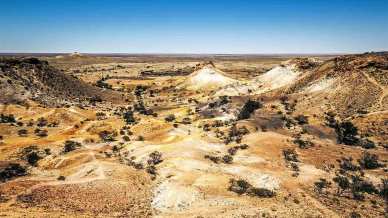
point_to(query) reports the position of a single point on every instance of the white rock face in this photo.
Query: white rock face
(171, 196)
(207, 78)
(278, 77)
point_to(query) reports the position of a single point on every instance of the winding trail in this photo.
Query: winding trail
(383, 88)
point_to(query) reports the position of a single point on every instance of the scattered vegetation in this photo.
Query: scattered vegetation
(236, 134)
(303, 144)
(7, 118)
(241, 186)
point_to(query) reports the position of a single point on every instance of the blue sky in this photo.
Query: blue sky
(194, 26)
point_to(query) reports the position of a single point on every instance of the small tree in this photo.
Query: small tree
(342, 182)
(369, 161)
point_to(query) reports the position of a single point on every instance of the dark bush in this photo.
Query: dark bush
(155, 158)
(243, 146)
(347, 133)
(71, 146)
(23, 132)
(304, 144)
(151, 170)
(384, 189)
(369, 161)
(126, 138)
(100, 83)
(233, 150)
(12, 170)
(227, 159)
(342, 182)
(248, 108)
(7, 118)
(41, 132)
(42, 122)
(367, 144)
(301, 119)
(61, 178)
(206, 127)
(360, 185)
(290, 155)
(354, 215)
(239, 186)
(261, 192)
(347, 165)
(186, 120)
(170, 118)
(321, 184)
(47, 151)
(107, 136)
(214, 159)
(33, 158)
(140, 138)
(128, 117)
(331, 121)
(236, 134)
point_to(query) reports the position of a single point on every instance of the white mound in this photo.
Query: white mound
(207, 78)
(171, 196)
(278, 77)
(275, 78)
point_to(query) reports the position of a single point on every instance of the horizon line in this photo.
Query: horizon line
(186, 54)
